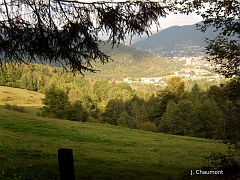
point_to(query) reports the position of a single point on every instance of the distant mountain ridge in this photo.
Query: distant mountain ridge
(177, 41)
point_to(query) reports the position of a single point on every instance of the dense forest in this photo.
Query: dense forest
(210, 112)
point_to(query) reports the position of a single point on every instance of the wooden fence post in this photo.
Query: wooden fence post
(66, 164)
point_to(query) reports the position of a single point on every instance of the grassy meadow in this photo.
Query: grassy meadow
(20, 96)
(29, 145)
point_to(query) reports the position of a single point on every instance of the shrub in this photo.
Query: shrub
(229, 163)
(76, 112)
(19, 108)
(92, 120)
(15, 107)
(148, 126)
(8, 106)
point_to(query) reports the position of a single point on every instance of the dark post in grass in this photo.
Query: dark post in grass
(66, 164)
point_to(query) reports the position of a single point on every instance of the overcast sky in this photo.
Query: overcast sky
(179, 20)
(170, 20)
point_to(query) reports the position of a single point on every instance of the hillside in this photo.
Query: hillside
(29, 144)
(20, 96)
(176, 41)
(130, 62)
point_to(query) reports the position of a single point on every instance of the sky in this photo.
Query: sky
(179, 20)
(170, 20)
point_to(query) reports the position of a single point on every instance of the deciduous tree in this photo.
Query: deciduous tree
(175, 85)
(56, 103)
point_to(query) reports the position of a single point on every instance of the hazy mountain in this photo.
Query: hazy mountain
(176, 41)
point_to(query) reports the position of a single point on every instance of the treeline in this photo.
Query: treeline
(208, 113)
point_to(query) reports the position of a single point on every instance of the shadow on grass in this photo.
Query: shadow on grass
(39, 171)
(90, 171)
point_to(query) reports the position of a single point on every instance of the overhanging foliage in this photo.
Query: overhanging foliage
(67, 32)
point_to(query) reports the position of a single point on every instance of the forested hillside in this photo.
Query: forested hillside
(208, 113)
(212, 112)
(130, 62)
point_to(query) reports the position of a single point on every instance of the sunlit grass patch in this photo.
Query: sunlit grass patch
(16, 96)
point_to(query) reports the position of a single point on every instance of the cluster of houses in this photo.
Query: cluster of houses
(194, 67)
(188, 72)
(157, 81)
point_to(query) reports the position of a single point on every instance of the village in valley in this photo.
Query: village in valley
(195, 67)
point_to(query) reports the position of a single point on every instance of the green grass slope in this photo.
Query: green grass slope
(29, 145)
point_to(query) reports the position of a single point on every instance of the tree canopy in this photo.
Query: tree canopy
(67, 32)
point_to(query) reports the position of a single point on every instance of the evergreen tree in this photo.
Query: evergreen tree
(181, 122)
(217, 94)
(159, 105)
(167, 118)
(136, 115)
(124, 119)
(207, 120)
(68, 32)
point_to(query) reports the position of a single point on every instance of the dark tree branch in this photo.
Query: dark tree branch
(67, 32)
